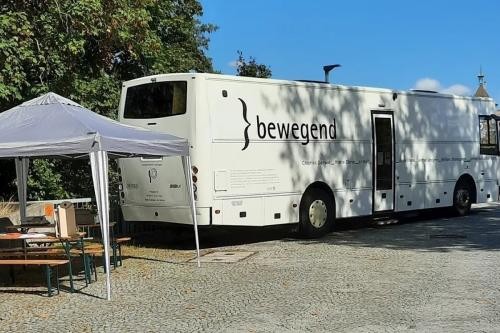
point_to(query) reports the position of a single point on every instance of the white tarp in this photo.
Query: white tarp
(52, 125)
(55, 126)
(99, 162)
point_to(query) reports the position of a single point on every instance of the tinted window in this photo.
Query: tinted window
(488, 135)
(493, 131)
(383, 132)
(156, 100)
(483, 128)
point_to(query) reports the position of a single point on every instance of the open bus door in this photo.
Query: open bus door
(497, 118)
(383, 161)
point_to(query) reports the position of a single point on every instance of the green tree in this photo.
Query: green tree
(44, 181)
(83, 50)
(251, 67)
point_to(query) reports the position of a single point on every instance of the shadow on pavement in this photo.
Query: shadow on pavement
(183, 239)
(429, 231)
(434, 230)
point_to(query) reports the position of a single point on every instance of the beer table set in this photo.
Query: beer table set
(27, 252)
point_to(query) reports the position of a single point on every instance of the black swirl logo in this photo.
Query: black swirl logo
(245, 132)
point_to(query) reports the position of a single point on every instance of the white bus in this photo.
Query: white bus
(268, 152)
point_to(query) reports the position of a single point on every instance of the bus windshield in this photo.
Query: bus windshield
(156, 100)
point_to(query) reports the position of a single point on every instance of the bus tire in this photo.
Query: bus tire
(317, 213)
(462, 198)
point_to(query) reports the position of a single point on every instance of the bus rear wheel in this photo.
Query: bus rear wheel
(462, 198)
(317, 213)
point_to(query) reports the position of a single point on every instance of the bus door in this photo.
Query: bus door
(383, 161)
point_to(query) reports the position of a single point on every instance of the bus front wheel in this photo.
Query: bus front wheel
(317, 213)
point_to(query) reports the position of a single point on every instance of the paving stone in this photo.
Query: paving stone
(224, 256)
(374, 279)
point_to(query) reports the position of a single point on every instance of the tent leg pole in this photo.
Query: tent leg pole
(197, 240)
(186, 161)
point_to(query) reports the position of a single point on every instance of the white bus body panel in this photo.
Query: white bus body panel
(155, 189)
(276, 172)
(260, 181)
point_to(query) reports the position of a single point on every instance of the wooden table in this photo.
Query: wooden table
(51, 238)
(95, 226)
(25, 227)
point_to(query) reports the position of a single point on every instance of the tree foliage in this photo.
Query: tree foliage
(251, 67)
(84, 49)
(44, 181)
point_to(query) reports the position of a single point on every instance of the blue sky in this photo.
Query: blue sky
(386, 43)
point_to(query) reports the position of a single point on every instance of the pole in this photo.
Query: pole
(186, 161)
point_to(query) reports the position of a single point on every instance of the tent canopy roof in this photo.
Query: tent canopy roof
(52, 125)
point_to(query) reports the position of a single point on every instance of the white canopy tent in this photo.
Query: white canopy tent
(53, 126)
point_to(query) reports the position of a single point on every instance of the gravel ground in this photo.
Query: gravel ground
(420, 275)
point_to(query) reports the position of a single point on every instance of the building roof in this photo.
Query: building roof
(481, 91)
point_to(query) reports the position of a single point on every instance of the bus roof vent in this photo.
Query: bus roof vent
(424, 91)
(327, 69)
(311, 81)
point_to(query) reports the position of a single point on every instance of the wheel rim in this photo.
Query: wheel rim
(318, 214)
(463, 198)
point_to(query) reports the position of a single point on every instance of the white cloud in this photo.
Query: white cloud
(428, 84)
(458, 89)
(434, 85)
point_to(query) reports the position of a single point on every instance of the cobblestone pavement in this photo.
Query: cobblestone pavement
(421, 275)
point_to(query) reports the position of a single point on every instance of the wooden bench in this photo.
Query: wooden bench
(90, 252)
(117, 246)
(48, 263)
(41, 252)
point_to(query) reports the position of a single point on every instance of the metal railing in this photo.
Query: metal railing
(78, 203)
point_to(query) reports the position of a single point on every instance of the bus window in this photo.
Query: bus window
(488, 135)
(493, 131)
(497, 137)
(156, 100)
